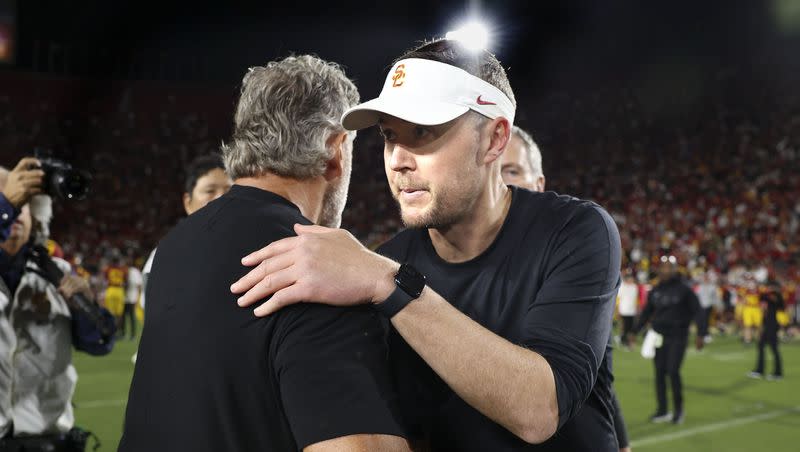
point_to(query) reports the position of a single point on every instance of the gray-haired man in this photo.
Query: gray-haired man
(210, 376)
(521, 164)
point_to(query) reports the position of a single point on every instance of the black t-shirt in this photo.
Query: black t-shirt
(548, 282)
(210, 376)
(671, 306)
(775, 304)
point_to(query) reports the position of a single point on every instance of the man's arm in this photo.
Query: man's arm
(619, 425)
(86, 333)
(509, 384)
(514, 386)
(361, 443)
(697, 311)
(647, 312)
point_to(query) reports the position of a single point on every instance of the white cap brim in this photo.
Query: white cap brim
(429, 93)
(427, 112)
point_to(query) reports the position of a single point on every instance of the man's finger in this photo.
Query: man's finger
(256, 288)
(268, 286)
(273, 249)
(263, 269)
(26, 163)
(281, 299)
(34, 175)
(301, 229)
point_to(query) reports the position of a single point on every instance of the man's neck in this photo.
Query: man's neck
(306, 194)
(471, 236)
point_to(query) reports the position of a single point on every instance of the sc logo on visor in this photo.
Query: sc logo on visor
(399, 76)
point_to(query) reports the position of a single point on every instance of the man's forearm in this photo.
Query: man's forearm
(509, 384)
(361, 443)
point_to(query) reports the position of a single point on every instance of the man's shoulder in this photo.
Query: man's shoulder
(236, 220)
(557, 209)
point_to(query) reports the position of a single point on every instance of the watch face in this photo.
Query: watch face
(410, 280)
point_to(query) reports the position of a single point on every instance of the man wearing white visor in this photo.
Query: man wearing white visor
(500, 299)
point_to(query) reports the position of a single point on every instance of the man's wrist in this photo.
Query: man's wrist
(384, 284)
(14, 202)
(8, 209)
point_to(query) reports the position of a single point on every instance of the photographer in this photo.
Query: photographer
(44, 311)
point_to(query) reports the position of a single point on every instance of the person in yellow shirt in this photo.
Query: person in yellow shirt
(752, 317)
(116, 278)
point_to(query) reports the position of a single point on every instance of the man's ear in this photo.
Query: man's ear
(187, 199)
(540, 182)
(334, 166)
(499, 130)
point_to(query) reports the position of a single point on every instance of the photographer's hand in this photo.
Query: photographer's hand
(72, 284)
(24, 181)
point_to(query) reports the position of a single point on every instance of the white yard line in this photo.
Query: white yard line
(656, 439)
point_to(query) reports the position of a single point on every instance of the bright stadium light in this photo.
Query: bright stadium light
(474, 35)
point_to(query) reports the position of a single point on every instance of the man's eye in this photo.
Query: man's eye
(420, 132)
(388, 135)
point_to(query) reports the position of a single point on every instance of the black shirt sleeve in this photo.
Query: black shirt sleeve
(331, 366)
(647, 312)
(697, 312)
(619, 423)
(569, 322)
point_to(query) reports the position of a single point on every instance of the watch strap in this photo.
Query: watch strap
(398, 300)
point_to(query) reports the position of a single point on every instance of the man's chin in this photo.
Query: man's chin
(414, 218)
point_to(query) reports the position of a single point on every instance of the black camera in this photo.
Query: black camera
(62, 180)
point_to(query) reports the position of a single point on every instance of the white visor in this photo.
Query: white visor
(428, 93)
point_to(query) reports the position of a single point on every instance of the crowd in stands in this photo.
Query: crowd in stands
(716, 184)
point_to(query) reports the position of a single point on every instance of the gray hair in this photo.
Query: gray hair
(534, 155)
(287, 110)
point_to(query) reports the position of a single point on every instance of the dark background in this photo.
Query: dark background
(545, 44)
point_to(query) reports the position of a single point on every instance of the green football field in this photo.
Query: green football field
(725, 410)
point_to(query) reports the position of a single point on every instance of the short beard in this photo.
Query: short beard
(335, 197)
(333, 202)
(451, 206)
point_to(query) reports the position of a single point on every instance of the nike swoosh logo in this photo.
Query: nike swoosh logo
(483, 102)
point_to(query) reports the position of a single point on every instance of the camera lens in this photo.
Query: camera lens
(71, 184)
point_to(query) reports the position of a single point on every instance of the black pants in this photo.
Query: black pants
(707, 317)
(769, 337)
(129, 313)
(40, 443)
(668, 361)
(627, 327)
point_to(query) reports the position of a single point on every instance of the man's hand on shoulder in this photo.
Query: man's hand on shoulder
(321, 265)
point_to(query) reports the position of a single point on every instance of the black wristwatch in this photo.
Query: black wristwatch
(409, 283)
